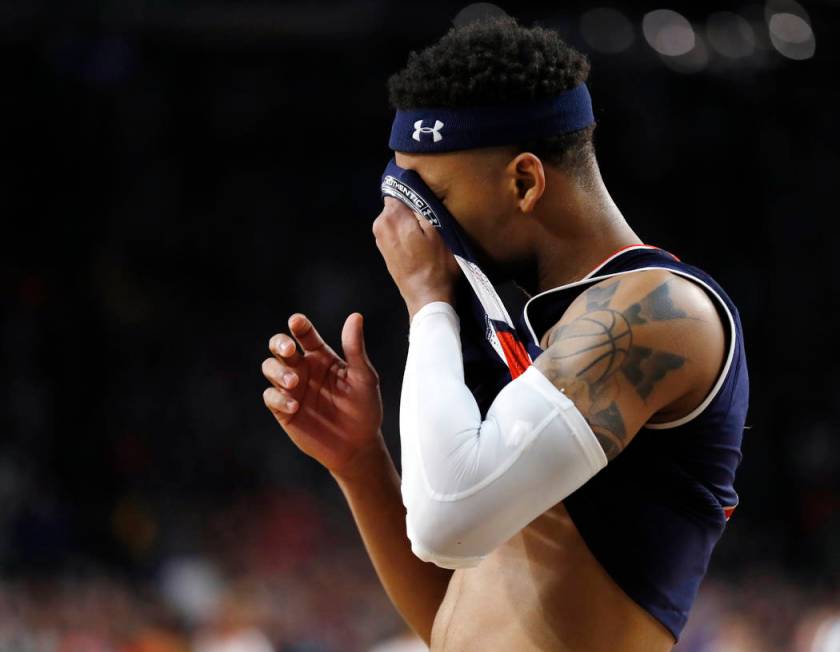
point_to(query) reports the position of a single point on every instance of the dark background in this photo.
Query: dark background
(182, 176)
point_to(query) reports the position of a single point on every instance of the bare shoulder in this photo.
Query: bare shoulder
(634, 346)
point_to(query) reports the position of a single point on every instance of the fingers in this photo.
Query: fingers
(397, 221)
(280, 375)
(281, 404)
(427, 227)
(305, 333)
(283, 346)
(353, 344)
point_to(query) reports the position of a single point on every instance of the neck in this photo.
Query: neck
(582, 227)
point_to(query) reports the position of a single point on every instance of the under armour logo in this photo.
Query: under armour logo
(435, 131)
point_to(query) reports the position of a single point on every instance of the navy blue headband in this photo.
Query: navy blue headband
(446, 130)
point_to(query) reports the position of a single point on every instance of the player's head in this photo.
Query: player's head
(492, 190)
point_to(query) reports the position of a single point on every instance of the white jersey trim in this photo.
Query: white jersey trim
(590, 276)
(732, 335)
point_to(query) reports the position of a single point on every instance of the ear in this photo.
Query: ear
(528, 177)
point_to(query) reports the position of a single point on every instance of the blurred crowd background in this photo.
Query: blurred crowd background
(182, 175)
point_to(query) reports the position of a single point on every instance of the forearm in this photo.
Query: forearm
(416, 588)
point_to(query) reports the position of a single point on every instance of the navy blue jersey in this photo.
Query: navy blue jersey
(652, 517)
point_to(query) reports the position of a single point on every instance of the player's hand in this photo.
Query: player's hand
(330, 407)
(416, 256)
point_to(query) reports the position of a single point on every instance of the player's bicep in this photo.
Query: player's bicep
(623, 351)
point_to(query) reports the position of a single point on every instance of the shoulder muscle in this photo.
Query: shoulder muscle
(631, 346)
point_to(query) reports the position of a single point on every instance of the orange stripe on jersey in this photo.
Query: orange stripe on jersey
(517, 357)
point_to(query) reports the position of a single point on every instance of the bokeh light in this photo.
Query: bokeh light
(694, 61)
(792, 36)
(772, 7)
(668, 32)
(730, 35)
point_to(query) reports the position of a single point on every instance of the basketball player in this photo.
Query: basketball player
(580, 512)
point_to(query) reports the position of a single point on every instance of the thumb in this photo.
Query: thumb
(353, 344)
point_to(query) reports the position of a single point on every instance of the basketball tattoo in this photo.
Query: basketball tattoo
(599, 344)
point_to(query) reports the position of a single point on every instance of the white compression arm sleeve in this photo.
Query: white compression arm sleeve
(469, 485)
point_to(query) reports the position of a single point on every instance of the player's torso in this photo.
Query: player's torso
(543, 590)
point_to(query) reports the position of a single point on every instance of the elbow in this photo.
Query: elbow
(438, 538)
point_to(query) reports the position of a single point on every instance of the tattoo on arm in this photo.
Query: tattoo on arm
(608, 427)
(599, 344)
(656, 306)
(646, 367)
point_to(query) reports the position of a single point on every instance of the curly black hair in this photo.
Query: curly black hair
(497, 61)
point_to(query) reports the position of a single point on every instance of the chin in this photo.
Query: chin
(521, 272)
(504, 269)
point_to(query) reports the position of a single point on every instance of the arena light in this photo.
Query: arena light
(792, 36)
(730, 35)
(668, 32)
(607, 30)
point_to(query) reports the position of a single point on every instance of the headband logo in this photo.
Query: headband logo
(435, 131)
